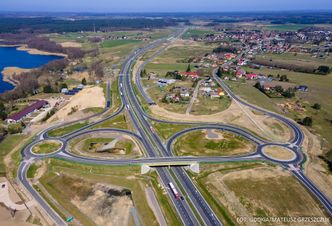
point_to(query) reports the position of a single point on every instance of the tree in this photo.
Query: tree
(279, 89)
(84, 81)
(188, 68)
(64, 86)
(3, 113)
(259, 86)
(307, 121)
(48, 89)
(289, 93)
(219, 72)
(143, 73)
(324, 70)
(283, 78)
(316, 106)
(15, 128)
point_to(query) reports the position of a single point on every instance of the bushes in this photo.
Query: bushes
(307, 121)
(15, 128)
(3, 113)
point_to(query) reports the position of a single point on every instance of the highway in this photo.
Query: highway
(159, 153)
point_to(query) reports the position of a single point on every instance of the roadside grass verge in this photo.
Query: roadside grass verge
(166, 130)
(118, 121)
(67, 129)
(46, 147)
(6, 146)
(196, 143)
(115, 43)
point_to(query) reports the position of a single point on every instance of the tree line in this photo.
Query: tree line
(49, 24)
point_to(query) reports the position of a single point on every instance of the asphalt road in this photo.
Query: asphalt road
(158, 152)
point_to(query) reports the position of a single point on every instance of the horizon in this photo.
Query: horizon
(171, 6)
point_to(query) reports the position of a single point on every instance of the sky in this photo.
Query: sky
(161, 5)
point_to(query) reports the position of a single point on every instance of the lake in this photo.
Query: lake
(11, 57)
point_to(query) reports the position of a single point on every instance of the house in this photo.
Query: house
(239, 73)
(221, 92)
(27, 111)
(191, 74)
(303, 88)
(229, 56)
(64, 90)
(251, 76)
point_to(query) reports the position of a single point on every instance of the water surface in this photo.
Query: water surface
(11, 57)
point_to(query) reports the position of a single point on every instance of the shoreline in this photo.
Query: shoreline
(38, 52)
(8, 72)
(24, 47)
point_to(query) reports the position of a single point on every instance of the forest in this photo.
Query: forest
(49, 24)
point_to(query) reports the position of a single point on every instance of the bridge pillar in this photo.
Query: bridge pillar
(194, 167)
(145, 169)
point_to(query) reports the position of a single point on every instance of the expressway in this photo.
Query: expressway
(160, 153)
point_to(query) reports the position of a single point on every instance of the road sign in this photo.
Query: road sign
(70, 219)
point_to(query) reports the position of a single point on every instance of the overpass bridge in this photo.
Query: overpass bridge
(192, 165)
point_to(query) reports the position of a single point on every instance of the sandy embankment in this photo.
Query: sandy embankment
(39, 52)
(8, 73)
(89, 97)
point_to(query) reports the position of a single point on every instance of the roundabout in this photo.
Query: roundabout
(46, 147)
(278, 153)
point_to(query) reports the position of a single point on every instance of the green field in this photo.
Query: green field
(320, 92)
(197, 144)
(65, 130)
(223, 188)
(6, 146)
(46, 147)
(115, 43)
(287, 27)
(195, 33)
(208, 106)
(166, 130)
(118, 121)
(299, 59)
(32, 170)
(175, 58)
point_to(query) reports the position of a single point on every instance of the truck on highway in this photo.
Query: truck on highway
(174, 191)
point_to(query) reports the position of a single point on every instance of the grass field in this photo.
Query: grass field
(115, 43)
(276, 202)
(196, 33)
(46, 147)
(166, 130)
(119, 121)
(65, 130)
(209, 193)
(254, 189)
(174, 58)
(287, 27)
(320, 91)
(198, 144)
(127, 177)
(32, 170)
(208, 106)
(6, 146)
(299, 59)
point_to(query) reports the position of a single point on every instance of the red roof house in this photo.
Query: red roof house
(26, 111)
(251, 76)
